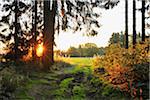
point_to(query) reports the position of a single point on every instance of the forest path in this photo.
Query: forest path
(66, 82)
(45, 85)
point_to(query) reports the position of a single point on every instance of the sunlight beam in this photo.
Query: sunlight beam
(39, 50)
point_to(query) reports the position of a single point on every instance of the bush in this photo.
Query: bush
(124, 68)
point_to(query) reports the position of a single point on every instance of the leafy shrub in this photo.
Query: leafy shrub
(107, 90)
(124, 68)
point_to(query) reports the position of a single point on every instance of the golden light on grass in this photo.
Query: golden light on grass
(39, 50)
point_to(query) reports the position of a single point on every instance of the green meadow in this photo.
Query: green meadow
(82, 61)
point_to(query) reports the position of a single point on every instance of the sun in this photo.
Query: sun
(39, 50)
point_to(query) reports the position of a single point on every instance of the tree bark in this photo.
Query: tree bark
(126, 24)
(34, 26)
(49, 22)
(143, 20)
(134, 23)
(16, 31)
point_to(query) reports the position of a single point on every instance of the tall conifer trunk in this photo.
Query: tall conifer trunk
(49, 22)
(34, 30)
(134, 23)
(126, 23)
(16, 31)
(143, 20)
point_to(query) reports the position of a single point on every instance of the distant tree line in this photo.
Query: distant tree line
(84, 50)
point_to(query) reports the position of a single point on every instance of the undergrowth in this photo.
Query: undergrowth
(125, 69)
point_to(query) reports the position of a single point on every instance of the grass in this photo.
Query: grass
(77, 61)
(67, 82)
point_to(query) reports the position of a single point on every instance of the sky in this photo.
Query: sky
(111, 20)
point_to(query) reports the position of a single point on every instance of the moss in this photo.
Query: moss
(78, 92)
(66, 82)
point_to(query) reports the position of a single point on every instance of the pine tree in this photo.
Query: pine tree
(143, 20)
(16, 25)
(34, 29)
(134, 23)
(49, 22)
(20, 45)
(126, 23)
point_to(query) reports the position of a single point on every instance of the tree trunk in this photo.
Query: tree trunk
(143, 20)
(134, 23)
(16, 31)
(49, 22)
(34, 30)
(126, 23)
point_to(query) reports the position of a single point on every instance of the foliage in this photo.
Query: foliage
(73, 52)
(9, 82)
(82, 15)
(17, 31)
(84, 50)
(124, 68)
(20, 37)
(66, 82)
(79, 83)
(117, 38)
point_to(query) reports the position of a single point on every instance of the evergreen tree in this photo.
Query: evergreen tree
(143, 20)
(115, 38)
(16, 29)
(126, 23)
(49, 22)
(134, 23)
(34, 29)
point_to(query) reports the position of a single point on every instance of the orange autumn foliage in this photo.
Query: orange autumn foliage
(125, 68)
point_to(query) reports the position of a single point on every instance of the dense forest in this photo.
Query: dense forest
(31, 69)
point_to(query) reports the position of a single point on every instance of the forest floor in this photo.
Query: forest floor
(57, 83)
(74, 81)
